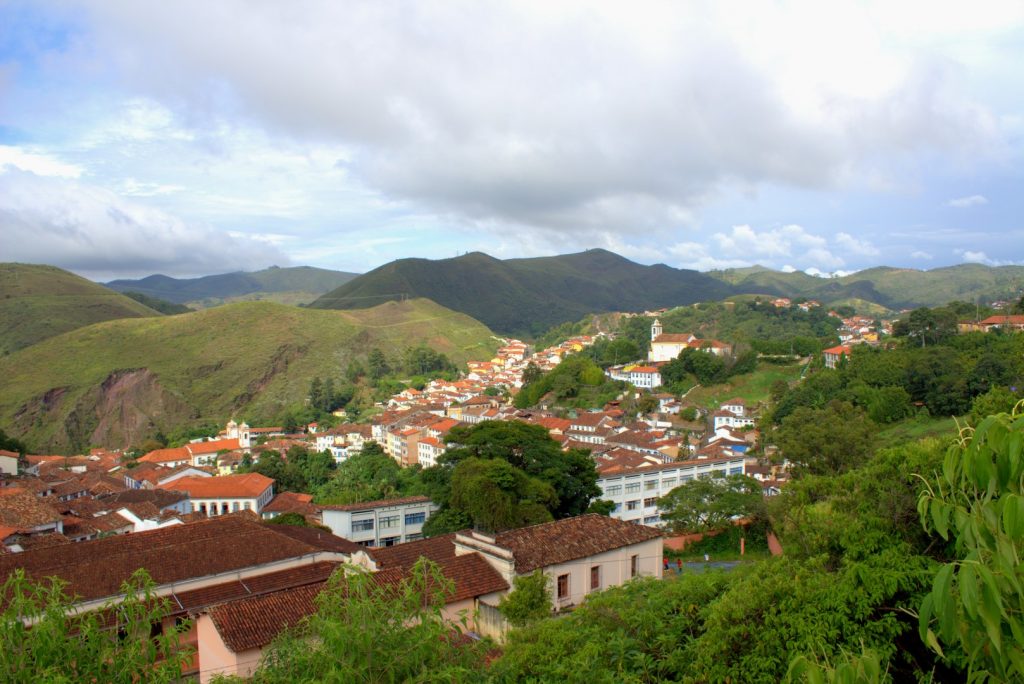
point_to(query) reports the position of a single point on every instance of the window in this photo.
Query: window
(614, 490)
(652, 519)
(649, 503)
(234, 506)
(362, 525)
(686, 478)
(668, 483)
(632, 487)
(389, 541)
(617, 509)
(736, 471)
(415, 518)
(563, 586)
(633, 505)
(389, 521)
(634, 565)
(595, 577)
(653, 484)
(413, 537)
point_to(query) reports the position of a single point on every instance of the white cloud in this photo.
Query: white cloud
(92, 231)
(855, 246)
(918, 254)
(966, 202)
(39, 163)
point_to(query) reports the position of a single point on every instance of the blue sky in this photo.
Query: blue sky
(193, 137)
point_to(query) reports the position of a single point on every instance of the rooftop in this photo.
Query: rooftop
(381, 503)
(246, 486)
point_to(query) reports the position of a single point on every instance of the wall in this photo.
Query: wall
(215, 658)
(614, 571)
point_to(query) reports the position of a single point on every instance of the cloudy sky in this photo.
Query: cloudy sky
(199, 137)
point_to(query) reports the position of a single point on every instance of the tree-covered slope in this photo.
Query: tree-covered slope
(117, 382)
(215, 289)
(38, 302)
(527, 296)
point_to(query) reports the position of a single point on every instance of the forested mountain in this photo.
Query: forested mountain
(215, 289)
(38, 302)
(121, 381)
(527, 296)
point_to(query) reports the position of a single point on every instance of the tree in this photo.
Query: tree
(976, 605)
(377, 364)
(531, 373)
(368, 476)
(316, 394)
(825, 440)
(45, 640)
(498, 496)
(529, 600)
(711, 503)
(365, 631)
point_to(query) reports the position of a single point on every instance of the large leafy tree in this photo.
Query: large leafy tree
(529, 600)
(711, 503)
(44, 640)
(825, 440)
(368, 476)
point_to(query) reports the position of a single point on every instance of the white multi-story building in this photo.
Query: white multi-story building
(380, 523)
(226, 493)
(635, 492)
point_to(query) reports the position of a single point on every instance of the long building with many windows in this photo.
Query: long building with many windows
(635, 491)
(380, 523)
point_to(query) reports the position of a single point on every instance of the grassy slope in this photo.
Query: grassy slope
(751, 387)
(248, 360)
(916, 428)
(38, 302)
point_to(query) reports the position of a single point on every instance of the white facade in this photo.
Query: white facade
(378, 523)
(645, 378)
(8, 464)
(212, 506)
(728, 419)
(636, 493)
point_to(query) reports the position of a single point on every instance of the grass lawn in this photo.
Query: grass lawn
(750, 387)
(916, 428)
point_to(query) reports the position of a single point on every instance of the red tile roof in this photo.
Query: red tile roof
(569, 539)
(212, 447)
(1003, 320)
(24, 510)
(246, 486)
(438, 549)
(167, 455)
(96, 569)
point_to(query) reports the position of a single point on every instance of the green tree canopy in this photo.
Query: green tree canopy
(529, 600)
(711, 503)
(831, 439)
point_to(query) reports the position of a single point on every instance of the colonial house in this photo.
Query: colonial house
(226, 493)
(645, 377)
(194, 453)
(833, 355)
(380, 523)
(667, 346)
(580, 555)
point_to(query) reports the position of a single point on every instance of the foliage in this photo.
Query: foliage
(369, 475)
(607, 353)
(928, 326)
(11, 444)
(576, 381)
(977, 501)
(156, 304)
(996, 400)
(711, 503)
(865, 668)
(365, 631)
(832, 439)
(768, 329)
(301, 471)
(45, 641)
(500, 474)
(529, 600)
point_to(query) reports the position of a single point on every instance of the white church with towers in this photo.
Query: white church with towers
(667, 346)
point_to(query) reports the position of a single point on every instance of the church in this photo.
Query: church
(667, 346)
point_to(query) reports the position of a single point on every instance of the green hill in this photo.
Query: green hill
(300, 284)
(891, 288)
(117, 382)
(38, 302)
(528, 296)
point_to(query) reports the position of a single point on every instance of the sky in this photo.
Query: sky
(196, 137)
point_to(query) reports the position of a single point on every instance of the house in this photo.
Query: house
(429, 449)
(833, 355)
(226, 493)
(645, 377)
(579, 555)
(380, 523)
(8, 462)
(293, 502)
(1002, 322)
(24, 514)
(635, 490)
(195, 566)
(194, 453)
(151, 476)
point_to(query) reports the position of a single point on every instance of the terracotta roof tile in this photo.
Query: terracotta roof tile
(561, 541)
(248, 485)
(381, 503)
(437, 549)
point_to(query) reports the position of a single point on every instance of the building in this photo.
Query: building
(645, 377)
(667, 346)
(226, 493)
(380, 523)
(8, 462)
(1002, 322)
(579, 555)
(635, 491)
(833, 355)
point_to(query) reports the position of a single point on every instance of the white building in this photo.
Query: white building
(645, 377)
(667, 346)
(226, 493)
(635, 492)
(380, 523)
